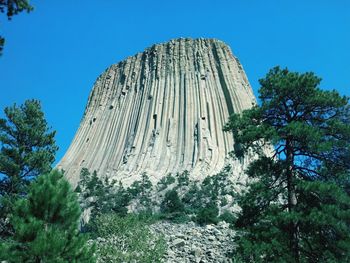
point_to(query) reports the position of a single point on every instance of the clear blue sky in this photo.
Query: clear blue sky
(56, 52)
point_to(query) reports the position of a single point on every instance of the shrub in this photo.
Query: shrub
(228, 217)
(208, 214)
(192, 199)
(172, 203)
(183, 179)
(127, 239)
(102, 196)
(165, 182)
(142, 190)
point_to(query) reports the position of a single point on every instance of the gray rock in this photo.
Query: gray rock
(196, 251)
(199, 243)
(178, 242)
(135, 120)
(211, 238)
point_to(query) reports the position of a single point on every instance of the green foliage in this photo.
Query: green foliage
(100, 196)
(324, 210)
(193, 198)
(103, 197)
(264, 193)
(228, 217)
(208, 214)
(323, 216)
(165, 182)
(127, 239)
(2, 43)
(27, 146)
(295, 208)
(14, 7)
(11, 8)
(218, 185)
(213, 189)
(142, 190)
(46, 225)
(296, 113)
(27, 150)
(171, 203)
(183, 179)
(121, 199)
(187, 199)
(90, 185)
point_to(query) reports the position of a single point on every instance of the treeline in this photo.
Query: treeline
(176, 198)
(121, 215)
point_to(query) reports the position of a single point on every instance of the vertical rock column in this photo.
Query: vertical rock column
(162, 111)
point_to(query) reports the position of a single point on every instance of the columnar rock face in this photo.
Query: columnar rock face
(162, 111)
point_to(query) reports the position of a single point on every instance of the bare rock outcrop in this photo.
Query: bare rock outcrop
(162, 111)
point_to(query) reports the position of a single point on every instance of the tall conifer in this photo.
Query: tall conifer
(295, 208)
(46, 225)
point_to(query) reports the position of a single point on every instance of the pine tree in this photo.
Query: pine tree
(46, 225)
(295, 209)
(101, 197)
(27, 147)
(141, 190)
(172, 203)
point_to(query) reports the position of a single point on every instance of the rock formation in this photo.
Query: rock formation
(162, 111)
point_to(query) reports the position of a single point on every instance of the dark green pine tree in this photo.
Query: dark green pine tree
(27, 147)
(46, 225)
(172, 203)
(102, 196)
(296, 208)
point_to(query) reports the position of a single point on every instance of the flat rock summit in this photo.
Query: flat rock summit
(162, 111)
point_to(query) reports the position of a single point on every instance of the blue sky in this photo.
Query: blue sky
(55, 53)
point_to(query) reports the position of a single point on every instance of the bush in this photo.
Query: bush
(127, 239)
(183, 179)
(172, 203)
(165, 182)
(102, 196)
(208, 214)
(176, 217)
(142, 191)
(172, 207)
(46, 225)
(193, 198)
(218, 185)
(228, 217)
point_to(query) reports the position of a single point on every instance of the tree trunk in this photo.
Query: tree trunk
(292, 202)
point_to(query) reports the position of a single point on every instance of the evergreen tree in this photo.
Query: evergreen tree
(208, 214)
(102, 196)
(142, 190)
(172, 203)
(295, 209)
(27, 147)
(46, 225)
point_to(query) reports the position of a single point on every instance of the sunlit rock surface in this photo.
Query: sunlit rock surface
(162, 111)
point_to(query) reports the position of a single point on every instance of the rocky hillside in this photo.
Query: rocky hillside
(193, 243)
(182, 243)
